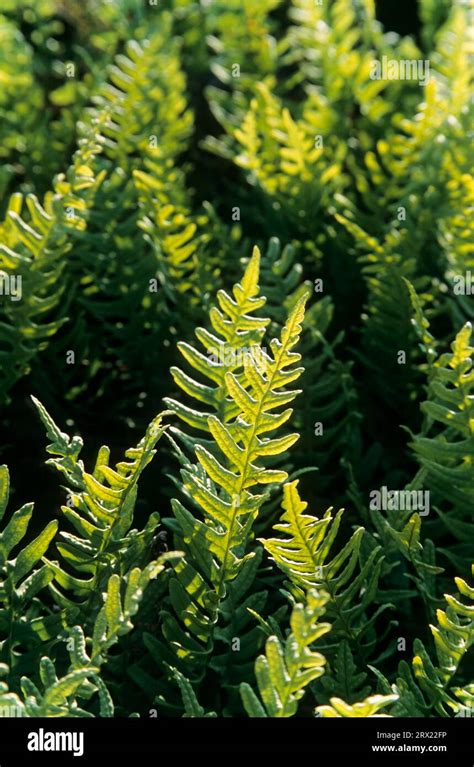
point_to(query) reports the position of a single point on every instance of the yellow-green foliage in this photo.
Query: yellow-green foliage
(221, 209)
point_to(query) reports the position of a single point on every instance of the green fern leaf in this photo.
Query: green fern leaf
(286, 669)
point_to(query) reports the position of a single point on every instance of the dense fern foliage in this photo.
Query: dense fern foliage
(241, 266)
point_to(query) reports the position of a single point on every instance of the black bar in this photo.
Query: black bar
(139, 738)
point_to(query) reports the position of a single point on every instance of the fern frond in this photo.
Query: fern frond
(22, 140)
(281, 282)
(342, 679)
(24, 622)
(146, 77)
(184, 243)
(287, 669)
(444, 447)
(332, 46)
(329, 416)
(100, 509)
(429, 685)
(244, 443)
(235, 332)
(116, 279)
(60, 696)
(350, 578)
(244, 52)
(283, 162)
(34, 243)
(433, 15)
(220, 488)
(238, 637)
(191, 705)
(56, 699)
